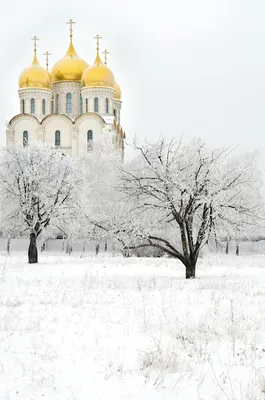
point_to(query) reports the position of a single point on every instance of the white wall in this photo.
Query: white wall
(117, 106)
(26, 123)
(73, 134)
(102, 94)
(64, 125)
(38, 95)
(62, 88)
(85, 124)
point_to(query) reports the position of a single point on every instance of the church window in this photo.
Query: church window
(32, 106)
(95, 104)
(57, 104)
(23, 106)
(89, 135)
(107, 106)
(86, 105)
(89, 140)
(81, 104)
(69, 103)
(57, 138)
(43, 106)
(25, 138)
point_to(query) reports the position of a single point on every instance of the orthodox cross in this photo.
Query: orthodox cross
(35, 38)
(47, 54)
(71, 22)
(105, 52)
(97, 39)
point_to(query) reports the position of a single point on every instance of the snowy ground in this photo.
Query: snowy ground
(113, 328)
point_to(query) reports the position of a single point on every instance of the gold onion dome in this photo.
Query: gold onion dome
(35, 76)
(117, 91)
(98, 75)
(70, 67)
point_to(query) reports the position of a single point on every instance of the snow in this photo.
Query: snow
(76, 328)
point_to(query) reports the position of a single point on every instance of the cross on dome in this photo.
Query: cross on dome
(97, 37)
(105, 52)
(71, 22)
(47, 54)
(71, 66)
(35, 38)
(35, 76)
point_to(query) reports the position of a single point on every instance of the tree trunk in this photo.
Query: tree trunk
(33, 251)
(8, 246)
(84, 246)
(190, 270)
(237, 249)
(97, 248)
(68, 248)
(227, 247)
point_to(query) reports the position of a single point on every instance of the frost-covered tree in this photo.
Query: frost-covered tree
(100, 200)
(182, 195)
(37, 189)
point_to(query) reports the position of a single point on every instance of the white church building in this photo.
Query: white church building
(69, 106)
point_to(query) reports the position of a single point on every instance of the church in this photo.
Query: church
(69, 106)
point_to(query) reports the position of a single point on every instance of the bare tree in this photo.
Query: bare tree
(37, 187)
(182, 195)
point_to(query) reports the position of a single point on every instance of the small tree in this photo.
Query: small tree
(37, 185)
(181, 195)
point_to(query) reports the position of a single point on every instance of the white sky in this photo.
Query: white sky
(192, 67)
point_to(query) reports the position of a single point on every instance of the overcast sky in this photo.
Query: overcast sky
(192, 67)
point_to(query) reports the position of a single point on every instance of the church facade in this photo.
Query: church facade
(69, 106)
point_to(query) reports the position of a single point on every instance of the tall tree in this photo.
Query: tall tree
(182, 195)
(37, 188)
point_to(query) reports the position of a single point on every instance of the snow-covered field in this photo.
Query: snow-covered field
(113, 328)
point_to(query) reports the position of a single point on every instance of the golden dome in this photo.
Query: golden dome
(35, 76)
(70, 67)
(98, 75)
(117, 91)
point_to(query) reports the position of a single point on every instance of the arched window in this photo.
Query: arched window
(89, 140)
(25, 138)
(95, 104)
(57, 104)
(81, 104)
(107, 106)
(89, 135)
(114, 112)
(23, 106)
(32, 106)
(86, 105)
(43, 106)
(57, 138)
(69, 103)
